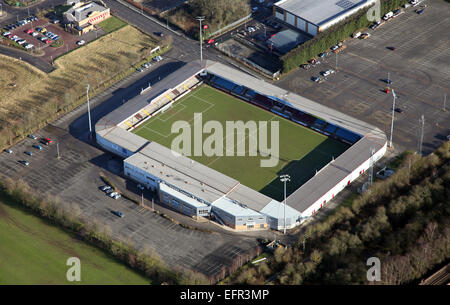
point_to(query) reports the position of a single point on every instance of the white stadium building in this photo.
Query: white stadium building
(197, 190)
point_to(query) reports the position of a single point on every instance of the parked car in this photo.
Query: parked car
(305, 66)
(28, 46)
(420, 11)
(327, 72)
(160, 34)
(37, 146)
(81, 42)
(29, 31)
(315, 79)
(108, 191)
(32, 136)
(24, 162)
(139, 70)
(364, 36)
(112, 194)
(29, 153)
(157, 58)
(356, 35)
(117, 196)
(47, 41)
(323, 54)
(34, 34)
(105, 188)
(21, 41)
(399, 110)
(6, 34)
(385, 173)
(9, 151)
(335, 47)
(391, 48)
(118, 213)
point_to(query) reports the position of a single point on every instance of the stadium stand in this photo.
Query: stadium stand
(282, 108)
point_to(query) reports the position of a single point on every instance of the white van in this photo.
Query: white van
(356, 35)
(388, 15)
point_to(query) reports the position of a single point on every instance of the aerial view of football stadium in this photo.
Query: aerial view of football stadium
(225, 149)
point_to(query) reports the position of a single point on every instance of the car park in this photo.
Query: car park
(29, 153)
(81, 42)
(32, 136)
(37, 146)
(24, 162)
(118, 213)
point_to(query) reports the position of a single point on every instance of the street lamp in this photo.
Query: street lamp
(284, 179)
(89, 110)
(200, 19)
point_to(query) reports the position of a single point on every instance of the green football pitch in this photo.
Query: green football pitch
(301, 150)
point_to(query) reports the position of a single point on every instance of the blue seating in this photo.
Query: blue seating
(224, 84)
(330, 128)
(348, 135)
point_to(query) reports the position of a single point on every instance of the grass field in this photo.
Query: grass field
(34, 252)
(112, 24)
(28, 95)
(301, 150)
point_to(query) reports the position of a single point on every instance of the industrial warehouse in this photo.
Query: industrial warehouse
(315, 16)
(195, 189)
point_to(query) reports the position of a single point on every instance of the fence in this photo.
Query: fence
(231, 25)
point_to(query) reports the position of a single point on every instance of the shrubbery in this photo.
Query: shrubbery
(403, 220)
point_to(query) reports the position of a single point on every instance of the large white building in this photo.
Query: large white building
(315, 16)
(197, 190)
